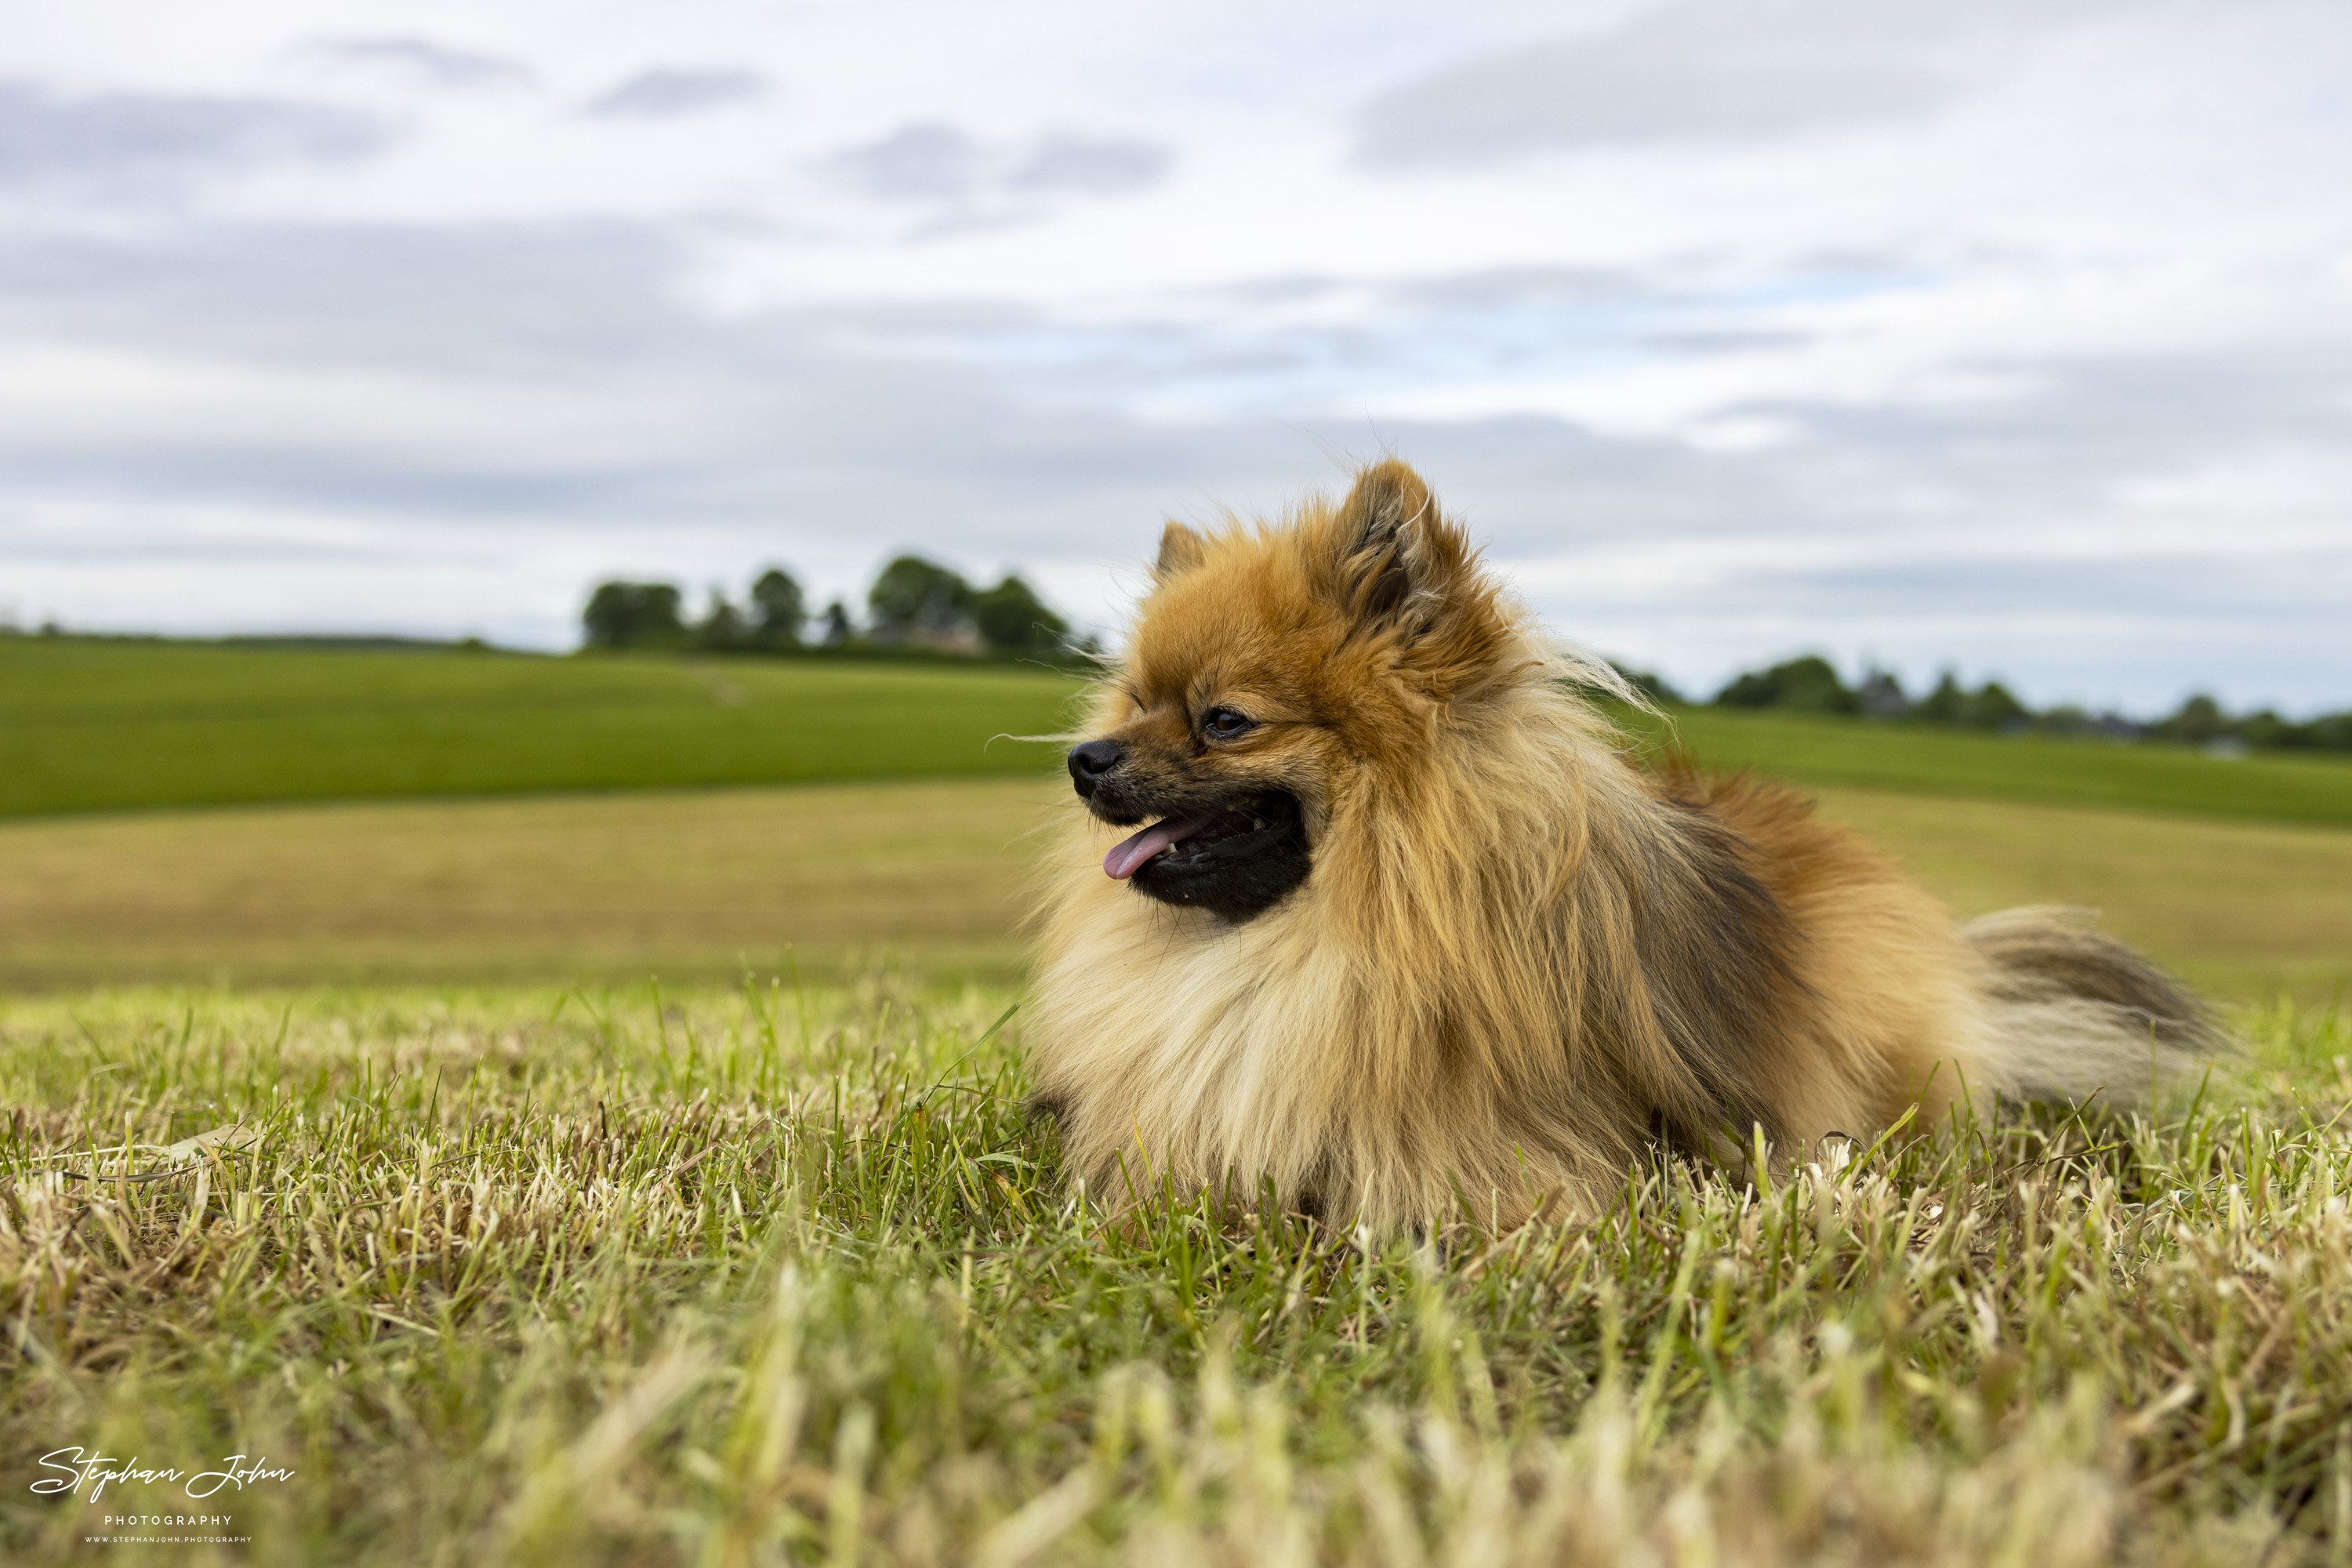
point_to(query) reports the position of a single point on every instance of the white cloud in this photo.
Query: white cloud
(146, 146)
(423, 61)
(665, 93)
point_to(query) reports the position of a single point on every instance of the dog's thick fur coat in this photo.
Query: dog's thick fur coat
(1499, 962)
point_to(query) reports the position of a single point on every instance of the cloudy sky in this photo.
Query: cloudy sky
(2014, 335)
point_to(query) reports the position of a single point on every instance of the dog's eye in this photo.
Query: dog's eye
(1224, 723)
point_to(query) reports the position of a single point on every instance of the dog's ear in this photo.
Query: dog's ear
(1395, 546)
(1402, 567)
(1180, 550)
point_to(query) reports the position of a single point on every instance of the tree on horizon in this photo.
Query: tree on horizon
(778, 610)
(918, 601)
(1014, 619)
(634, 615)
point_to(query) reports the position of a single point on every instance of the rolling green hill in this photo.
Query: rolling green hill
(96, 725)
(1832, 751)
(89, 724)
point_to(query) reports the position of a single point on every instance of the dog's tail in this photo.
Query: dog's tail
(2076, 1013)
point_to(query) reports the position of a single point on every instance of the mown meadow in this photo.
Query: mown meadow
(568, 1111)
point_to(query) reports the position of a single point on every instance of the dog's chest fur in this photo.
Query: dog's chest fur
(1210, 1046)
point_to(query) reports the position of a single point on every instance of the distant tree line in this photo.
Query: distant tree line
(913, 605)
(1812, 684)
(2201, 721)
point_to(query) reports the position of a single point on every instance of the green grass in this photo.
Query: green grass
(94, 725)
(1828, 751)
(519, 1277)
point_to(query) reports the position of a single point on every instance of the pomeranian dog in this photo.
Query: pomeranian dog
(1405, 934)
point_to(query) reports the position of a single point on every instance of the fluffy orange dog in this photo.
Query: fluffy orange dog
(1407, 933)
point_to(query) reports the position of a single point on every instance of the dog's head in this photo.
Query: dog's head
(1278, 680)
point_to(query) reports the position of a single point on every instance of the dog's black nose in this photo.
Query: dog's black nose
(1090, 762)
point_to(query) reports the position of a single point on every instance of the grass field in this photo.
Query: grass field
(699, 884)
(2245, 909)
(88, 725)
(1834, 752)
(684, 883)
(602, 1271)
(780, 1276)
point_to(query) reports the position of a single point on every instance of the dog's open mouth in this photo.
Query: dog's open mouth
(1188, 843)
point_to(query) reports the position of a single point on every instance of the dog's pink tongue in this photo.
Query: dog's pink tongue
(1121, 862)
